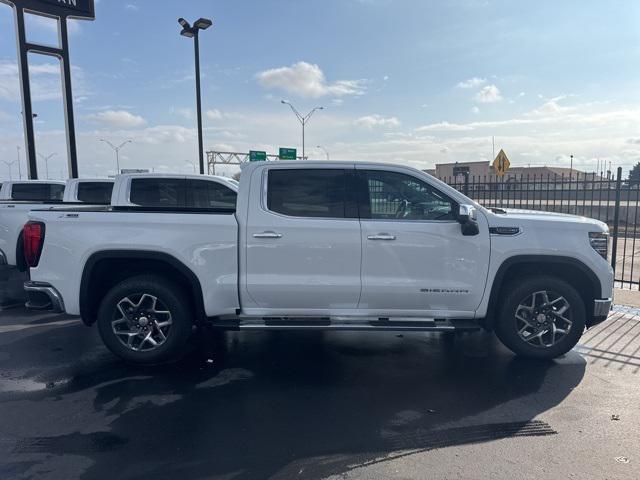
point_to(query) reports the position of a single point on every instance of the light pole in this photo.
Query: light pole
(192, 164)
(9, 164)
(192, 32)
(19, 168)
(46, 162)
(117, 150)
(303, 120)
(324, 150)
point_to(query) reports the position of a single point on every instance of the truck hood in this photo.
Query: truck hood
(516, 217)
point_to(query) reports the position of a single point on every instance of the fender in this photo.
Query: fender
(538, 259)
(194, 283)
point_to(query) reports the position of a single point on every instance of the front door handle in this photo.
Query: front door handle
(382, 236)
(267, 235)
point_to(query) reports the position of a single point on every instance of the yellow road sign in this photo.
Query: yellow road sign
(501, 164)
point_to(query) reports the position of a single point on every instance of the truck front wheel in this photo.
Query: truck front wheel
(541, 317)
(145, 320)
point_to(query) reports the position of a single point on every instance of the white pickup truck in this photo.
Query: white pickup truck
(19, 197)
(151, 190)
(323, 245)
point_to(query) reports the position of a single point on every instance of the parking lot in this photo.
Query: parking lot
(310, 405)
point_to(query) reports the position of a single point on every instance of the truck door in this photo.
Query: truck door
(415, 259)
(303, 241)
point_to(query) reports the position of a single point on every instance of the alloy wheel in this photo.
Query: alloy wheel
(141, 322)
(543, 319)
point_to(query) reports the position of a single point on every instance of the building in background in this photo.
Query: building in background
(482, 176)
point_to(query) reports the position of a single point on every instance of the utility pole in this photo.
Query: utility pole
(303, 120)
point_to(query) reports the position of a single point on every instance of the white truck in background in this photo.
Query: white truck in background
(324, 246)
(19, 197)
(150, 190)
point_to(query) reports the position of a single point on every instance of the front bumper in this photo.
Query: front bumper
(42, 296)
(601, 309)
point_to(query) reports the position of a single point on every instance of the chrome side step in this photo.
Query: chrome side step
(381, 324)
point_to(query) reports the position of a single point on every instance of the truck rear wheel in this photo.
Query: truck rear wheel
(145, 320)
(541, 317)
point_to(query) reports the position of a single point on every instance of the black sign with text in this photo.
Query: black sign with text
(84, 9)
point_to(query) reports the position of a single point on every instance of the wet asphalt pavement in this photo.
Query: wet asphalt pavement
(316, 405)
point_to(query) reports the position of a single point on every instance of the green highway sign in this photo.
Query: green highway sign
(288, 154)
(257, 156)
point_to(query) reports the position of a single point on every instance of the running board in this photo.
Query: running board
(381, 324)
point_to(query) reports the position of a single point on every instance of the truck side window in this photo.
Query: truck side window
(307, 192)
(37, 192)
(158, 192)
(396, 196)
(210, 194)
(98, 193)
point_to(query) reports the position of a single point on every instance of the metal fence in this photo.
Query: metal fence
(609, 200)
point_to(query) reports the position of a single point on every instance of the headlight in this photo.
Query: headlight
(600, 243)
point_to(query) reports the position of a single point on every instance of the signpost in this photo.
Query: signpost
(257, 156)
(288, 154)
(60, 10)
(501, 164)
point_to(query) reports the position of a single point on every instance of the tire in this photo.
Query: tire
(150, 331)
(527, 318)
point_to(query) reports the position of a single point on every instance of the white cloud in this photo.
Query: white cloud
(475, 110)
(214, 114)
(472, 82)
(45, 81)
(444, 127)
(185, 112)
(117, 119)
(370, 121)
(489, 94)
(308, 81)
(132, 7)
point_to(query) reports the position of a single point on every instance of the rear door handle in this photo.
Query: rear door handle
(382, 236)
(267, 235)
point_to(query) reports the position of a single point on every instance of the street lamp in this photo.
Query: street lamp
(9, 164)
(117, 150)
(324, 150)
(302, 118)
(46, 162)
(192, 32)
(19, 168)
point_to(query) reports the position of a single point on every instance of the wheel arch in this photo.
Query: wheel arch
(572, 270)
(105, 269)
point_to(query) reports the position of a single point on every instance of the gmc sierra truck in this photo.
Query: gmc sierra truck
(327, 246)
(18, 198)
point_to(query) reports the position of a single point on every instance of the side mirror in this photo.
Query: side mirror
(467, 217)
(467, 213)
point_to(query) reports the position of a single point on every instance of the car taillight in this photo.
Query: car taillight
(33, 241)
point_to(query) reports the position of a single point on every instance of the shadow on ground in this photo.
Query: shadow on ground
(264, 405)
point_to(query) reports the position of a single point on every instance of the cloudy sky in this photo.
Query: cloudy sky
(408, 81)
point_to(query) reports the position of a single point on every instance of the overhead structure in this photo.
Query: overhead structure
(59, 10)
(234, 158)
